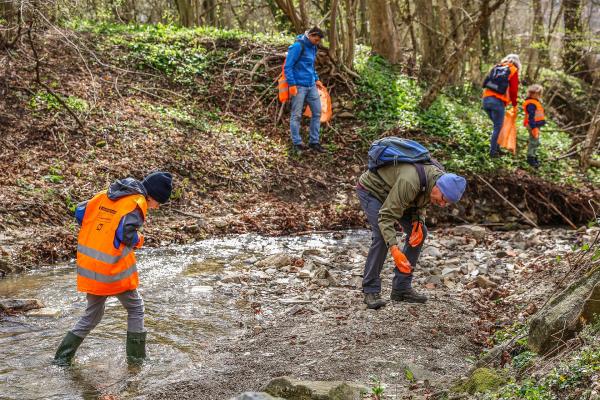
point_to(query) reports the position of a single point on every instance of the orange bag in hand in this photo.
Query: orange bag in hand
(325, 105)
(508, 134)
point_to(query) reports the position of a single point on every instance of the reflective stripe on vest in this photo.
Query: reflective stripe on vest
(103, 269)
(100, 256)
(97, 276)
(539, 111)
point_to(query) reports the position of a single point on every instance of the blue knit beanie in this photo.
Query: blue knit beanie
(452, 186)
(159, 186)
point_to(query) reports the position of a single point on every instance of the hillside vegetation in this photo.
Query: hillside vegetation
(201, 103)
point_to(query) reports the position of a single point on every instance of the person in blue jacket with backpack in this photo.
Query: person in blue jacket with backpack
(303, 81)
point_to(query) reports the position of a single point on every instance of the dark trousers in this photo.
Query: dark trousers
(495, 109)
(379, 250)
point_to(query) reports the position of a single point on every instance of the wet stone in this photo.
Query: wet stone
(20, 305)
(275, 261)
(44, 313)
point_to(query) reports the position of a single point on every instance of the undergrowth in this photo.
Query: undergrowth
(575, 377)
(455, 128)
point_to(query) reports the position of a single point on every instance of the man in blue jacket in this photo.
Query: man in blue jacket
(303, 81)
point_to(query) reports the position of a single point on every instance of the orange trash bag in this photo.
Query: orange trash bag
(326, 111)
(508, 134)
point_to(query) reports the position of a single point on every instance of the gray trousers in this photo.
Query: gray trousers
(533, 144)
(379, 250)
(131, 300)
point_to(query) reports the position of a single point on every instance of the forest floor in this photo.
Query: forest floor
(208, 117)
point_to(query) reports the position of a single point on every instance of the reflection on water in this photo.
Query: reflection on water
(185, 315)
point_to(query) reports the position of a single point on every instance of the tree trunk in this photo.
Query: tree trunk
(484, 34)
(210, 11)
(383, 31)
(186, 12)
(350, 37)
(364, 20)
(572, 54)
(427, 39)
(503, 29)
(537, 41)
(304, 13)
(333, 42)
(455, 59)
(288, 8)
(411, 28)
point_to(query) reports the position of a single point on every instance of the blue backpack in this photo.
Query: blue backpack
(394, 150)
(497, 79)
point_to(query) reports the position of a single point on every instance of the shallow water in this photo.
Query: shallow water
(185, 317)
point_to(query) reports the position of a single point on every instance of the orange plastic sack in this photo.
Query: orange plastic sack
(508, 134)
(326, 111)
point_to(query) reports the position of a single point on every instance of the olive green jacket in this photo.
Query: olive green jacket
(397, 187)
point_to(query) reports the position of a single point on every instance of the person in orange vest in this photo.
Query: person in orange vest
(500, 87)
(534, 120)
(110, 224)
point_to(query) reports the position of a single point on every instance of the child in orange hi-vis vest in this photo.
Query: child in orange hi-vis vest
(106, 264)
(534, 120)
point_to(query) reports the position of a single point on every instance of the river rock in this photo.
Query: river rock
(20, 305)
(322, 277)
(450, 272)
(565, 314)
(293, 389)
(44, 313)
(233, 278)
(275, 261)
(484, 282)
(432, 252)
(255, 396)
(478, 232)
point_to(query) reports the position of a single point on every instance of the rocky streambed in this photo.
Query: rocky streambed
(230, 315)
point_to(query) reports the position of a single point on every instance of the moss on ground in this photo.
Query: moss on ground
(481, 380)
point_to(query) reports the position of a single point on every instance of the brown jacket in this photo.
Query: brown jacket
(397, 187)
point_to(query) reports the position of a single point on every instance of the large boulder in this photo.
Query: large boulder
(293, 389)
(566, 313)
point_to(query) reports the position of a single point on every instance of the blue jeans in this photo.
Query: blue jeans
(311, 96)
(494, 107)
(379, 250)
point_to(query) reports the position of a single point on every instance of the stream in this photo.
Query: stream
(184, 316)
(226, 315)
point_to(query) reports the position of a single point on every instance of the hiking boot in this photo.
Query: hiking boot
(374, 301)
(299, 148)
(66, 350)
(317, 147)
(136, 347)
(533, 161)
(408, 295)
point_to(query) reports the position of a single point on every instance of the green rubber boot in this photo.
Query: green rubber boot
(66, 351)
(136, 347)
